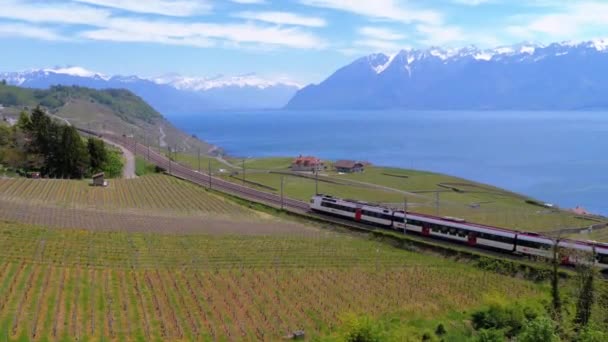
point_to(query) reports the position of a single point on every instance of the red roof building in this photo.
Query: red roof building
(308, 163)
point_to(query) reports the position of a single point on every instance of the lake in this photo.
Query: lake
(555, 157)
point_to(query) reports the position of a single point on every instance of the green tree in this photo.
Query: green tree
(537, 330)
(24, 122)
(73, 154)
(97, 153)
(586, 295)
(3, 82)
(556, 301)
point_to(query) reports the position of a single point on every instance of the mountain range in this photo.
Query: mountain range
(559, 76)
(170, 94)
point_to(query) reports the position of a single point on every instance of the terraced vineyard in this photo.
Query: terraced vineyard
(153, 203)
(66, 284)
(152, 192)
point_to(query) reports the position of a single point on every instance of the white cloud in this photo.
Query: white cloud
(52, 13)
(471, 2)
(380, 33)
(379, 9)
(203, 34)
(380, 45)
(177, 8)
(249, 2)
(441, 35)
(28, 31)
(282, 18)
(568, 21)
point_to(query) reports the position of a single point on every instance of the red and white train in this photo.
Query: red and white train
(458, 230)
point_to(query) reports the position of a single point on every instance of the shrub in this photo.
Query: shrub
(490, 335)
(539, 329)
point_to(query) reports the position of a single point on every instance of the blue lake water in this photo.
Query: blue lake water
(556, 157)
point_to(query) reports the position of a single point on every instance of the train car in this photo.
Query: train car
(357, 211)
(572, 252)
(534, 245)
(456, 229)
(584, 252)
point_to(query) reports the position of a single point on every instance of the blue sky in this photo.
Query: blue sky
(302, 40)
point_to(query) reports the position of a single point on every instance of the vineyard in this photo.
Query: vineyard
(149, 193)
(153, 203)
(67, 284)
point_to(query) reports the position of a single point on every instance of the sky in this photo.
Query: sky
(300, 40)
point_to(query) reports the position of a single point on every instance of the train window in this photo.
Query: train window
(453, 231)
(602, 258)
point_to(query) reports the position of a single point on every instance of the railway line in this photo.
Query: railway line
(200, 178)
(206, 180)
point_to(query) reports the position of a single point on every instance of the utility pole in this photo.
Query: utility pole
(209, 173)
(243, 171)
(316, 181)
(169, 149)
(282, 192)
(199, 159)
(404, 214)
(437, 203)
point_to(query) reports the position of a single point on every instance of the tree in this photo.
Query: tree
(3, 82)
(556, 302)
(73, 154)
(25, 122)
(586, 293)
(97, 153)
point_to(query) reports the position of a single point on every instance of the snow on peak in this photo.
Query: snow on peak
(75, 71)
(380, 68)
(600, 44)
(221, 81)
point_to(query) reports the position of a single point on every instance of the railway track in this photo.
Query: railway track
(289, 204)
(203, 179)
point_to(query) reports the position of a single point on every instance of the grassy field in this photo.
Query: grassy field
(457, 197)
(67, 284)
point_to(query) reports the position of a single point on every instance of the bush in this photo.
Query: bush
(440, 331)
(539, 329)
(510, 319)
(361, 329)
(490, 335)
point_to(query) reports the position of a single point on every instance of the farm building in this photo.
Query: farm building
(349, 166)
(307, 164)
(98, 179)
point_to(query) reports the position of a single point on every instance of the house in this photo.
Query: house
(349, 166)
(307, 164)
(98, 179)
(580, 210)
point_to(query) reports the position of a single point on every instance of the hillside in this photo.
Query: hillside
(560, 76)
(111, 110)
(172, 93)
(145, 264)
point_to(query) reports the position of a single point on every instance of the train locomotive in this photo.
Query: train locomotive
(461, 231)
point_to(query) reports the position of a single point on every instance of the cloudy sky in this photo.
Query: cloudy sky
(303, 40)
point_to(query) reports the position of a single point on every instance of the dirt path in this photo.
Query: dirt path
(128, 171)
(161, 139)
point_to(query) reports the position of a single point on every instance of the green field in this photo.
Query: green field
(68, 284)
(456, 197)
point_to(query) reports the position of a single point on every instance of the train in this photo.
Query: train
(571, 252)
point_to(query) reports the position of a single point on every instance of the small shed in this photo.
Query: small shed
(349, 166)
(99, 179)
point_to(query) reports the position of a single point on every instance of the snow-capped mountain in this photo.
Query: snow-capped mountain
(170, 93)
(221, 81)
(563, 75)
